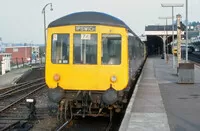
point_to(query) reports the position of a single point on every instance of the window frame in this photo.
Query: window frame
(101, 48)
(67, 34)
(97, 46)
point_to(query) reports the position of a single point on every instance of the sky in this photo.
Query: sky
(22, 21)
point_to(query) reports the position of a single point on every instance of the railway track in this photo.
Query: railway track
(195, 58)
(86, 124)
(16, 88)
(13, 108)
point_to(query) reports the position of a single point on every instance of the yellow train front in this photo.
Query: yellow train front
(91, 58)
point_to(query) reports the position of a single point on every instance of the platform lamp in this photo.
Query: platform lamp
(186, 14)
(172, 6)
(43, 12)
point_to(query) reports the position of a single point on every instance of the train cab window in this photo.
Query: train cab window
(111, 49)
(85, 49)
(60, 48)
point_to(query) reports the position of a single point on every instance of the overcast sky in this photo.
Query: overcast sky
(22, 20)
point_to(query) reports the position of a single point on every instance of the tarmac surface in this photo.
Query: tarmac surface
(159, 103)
(181, 101)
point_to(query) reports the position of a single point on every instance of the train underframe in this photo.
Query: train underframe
(68, 104)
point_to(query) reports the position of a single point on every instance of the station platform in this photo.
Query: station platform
(159, 103)
(10, 77)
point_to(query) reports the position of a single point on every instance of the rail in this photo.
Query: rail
(21, 98)
(194, 58)
(65, 124)
(10, 117)
(16, 86)
(22, 87)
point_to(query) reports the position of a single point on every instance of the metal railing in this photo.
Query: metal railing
(16, 63)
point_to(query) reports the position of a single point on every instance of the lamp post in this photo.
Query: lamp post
(165, 30)
(178, 17)
(43, 12)
(186, 55)
(172, 6)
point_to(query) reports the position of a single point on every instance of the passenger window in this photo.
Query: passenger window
(60, 48)
(130, 50)
(85, 49)
(111, 49)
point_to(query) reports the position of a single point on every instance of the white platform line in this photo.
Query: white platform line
(127, 116)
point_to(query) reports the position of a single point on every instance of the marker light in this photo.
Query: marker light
(113, 78)
(56, 77)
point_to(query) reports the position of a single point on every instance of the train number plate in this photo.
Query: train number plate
(85, 36)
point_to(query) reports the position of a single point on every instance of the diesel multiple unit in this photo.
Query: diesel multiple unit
(91, 59)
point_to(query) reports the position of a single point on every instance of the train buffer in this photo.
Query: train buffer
(160, 103)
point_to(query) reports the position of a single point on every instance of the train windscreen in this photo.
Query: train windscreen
(85, 49)
(111, 49)
(60, 49)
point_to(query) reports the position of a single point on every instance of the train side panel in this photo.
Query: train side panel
(136, 54)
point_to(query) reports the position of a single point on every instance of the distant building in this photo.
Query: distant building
(22, 54)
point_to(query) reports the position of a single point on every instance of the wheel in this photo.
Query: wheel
(64, 113)
(68, 111)
(60, 115)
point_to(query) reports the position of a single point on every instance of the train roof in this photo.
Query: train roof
(96, 18)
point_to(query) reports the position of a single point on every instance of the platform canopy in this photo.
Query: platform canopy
(161, 30)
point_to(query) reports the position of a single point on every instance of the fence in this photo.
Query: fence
(22, 62)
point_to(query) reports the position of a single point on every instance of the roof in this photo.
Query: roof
(163, 27)
(159, 27)
(94, 18)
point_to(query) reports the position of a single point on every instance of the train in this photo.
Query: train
(91, 60)
(191, 49)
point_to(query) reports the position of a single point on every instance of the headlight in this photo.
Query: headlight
(56, 77)
(113, 78)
